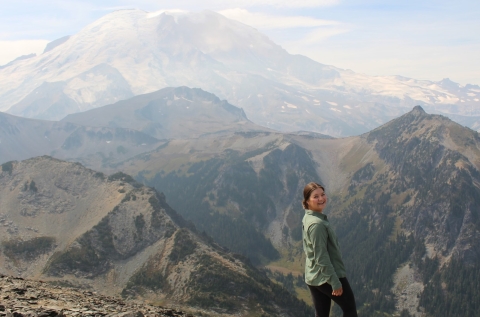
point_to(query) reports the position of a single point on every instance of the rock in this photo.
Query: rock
(39, 299)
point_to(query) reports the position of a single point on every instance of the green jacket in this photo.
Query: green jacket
(323, 258)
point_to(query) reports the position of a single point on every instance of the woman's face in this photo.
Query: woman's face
(317, 200)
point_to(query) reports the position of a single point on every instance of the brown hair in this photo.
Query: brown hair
(307, 191)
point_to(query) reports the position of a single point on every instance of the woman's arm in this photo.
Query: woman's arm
(319, 236)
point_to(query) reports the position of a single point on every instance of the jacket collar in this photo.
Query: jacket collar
(316, 214)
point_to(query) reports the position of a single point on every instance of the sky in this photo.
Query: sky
(418, 39)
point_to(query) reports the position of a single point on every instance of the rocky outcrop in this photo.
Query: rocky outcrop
(20, 297)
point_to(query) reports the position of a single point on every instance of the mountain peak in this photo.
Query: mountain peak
(50, 46)
(418, 110)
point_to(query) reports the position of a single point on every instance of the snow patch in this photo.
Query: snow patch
(305, 98)
(447, 99)
(347, 106)
(470, 94)
(289, 105)
(334, 109)
(175, 13)
(332, 103)
(108, 142)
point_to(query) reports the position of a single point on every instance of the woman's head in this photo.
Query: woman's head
(318, 192)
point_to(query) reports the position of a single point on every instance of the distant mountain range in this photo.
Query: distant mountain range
(170, 113)
(132, 52)
(22, 138)
(111, 134)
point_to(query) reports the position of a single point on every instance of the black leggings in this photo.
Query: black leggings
(322, 297)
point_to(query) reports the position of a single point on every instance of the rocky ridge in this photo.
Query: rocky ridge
(29, 298)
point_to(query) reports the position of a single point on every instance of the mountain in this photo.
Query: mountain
(402, 200)
(132, 52)
(411, 212)
(22, 138)
(66, 224)
(111, 134)
(179, 113)
(240, 187)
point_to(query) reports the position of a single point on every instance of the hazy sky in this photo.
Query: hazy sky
(419, 39)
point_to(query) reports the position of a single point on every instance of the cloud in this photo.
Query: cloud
(9, 50)
(285, 3)
(222, 4)
(296, 33)
(171, 11)
(265, 21)
(109, 9)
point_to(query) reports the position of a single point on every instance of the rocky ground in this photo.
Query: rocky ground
(407, 289)
(20, 297)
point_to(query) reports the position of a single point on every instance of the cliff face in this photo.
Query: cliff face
(63, 222)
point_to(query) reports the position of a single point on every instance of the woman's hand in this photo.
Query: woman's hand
(337, 292)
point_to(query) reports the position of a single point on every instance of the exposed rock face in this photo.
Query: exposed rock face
(65, 223)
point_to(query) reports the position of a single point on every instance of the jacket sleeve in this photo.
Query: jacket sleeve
(319, 237)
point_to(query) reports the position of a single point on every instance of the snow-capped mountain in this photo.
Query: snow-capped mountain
(131, 52)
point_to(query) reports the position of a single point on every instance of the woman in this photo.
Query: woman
(324, 270)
